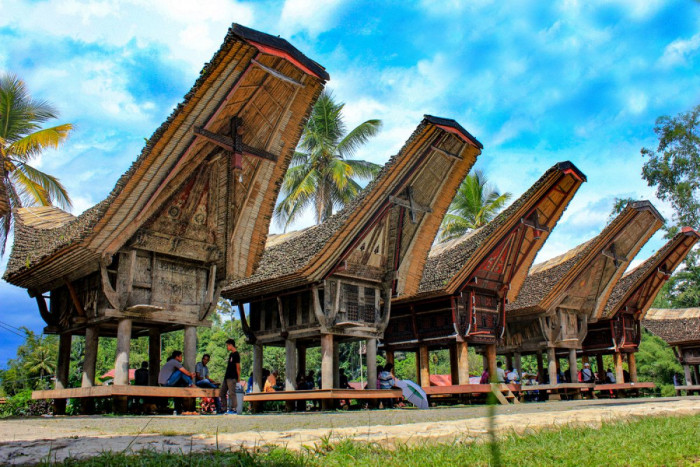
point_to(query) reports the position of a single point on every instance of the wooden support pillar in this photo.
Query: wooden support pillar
(509, 362)
(424, 366)
(552, 365)
(632, 364)
(372, 363)
(390, 359)
(462, 363)
(62, 370)
(518, 364)
(190, 348)
(301, 359)
(336, 364)
(153, 356)
(91, 344)
(454, 366)
(619, 376)
(600, 366)
(327, 367)
(584, 359)
(326, 361)
(491, 362)
(258, 383)
(540, 367)
(121, 362)
(573, 366)
(686, 369)
(290, 370)
(696, 372)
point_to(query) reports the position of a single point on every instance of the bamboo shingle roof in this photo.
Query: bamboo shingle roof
(640, 285)
(580, 274)
(261, 79)
(451, 263)
(675, 326)
(432, 162)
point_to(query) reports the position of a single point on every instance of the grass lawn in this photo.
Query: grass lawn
(648, 441)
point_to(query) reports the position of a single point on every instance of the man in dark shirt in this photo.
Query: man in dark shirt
(231, 378)
(141, 375)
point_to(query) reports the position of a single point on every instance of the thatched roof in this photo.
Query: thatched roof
(304, 257)
(550, 282)
(246, 61)
(669, 257)
(679, 326)
(451, 263)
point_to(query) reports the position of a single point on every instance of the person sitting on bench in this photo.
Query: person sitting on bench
(173, 374)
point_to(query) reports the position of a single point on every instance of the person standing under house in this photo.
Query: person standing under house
(231, 378)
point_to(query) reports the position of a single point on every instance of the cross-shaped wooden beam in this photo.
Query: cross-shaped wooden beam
(411, 204)
(234, 144)
(534, 223)
(612, 254)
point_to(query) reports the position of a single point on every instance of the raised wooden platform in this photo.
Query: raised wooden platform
(157, 391)
(503, 392)
(623, 386)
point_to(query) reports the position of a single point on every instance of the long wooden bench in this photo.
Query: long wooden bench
(622, 389)
(503, 392)
(689, 389)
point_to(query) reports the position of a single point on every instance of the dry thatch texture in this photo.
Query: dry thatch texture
(260, 78)
(450, 264)
(678, 326)
(304, 257)
(550, 282)
(640, 286)
(44, 217)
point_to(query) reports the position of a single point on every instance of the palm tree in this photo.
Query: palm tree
(321, 173)
(21, 140)
(474, 205)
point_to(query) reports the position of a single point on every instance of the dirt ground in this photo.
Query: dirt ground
(30, 440)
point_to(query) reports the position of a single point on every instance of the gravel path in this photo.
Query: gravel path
(31, 439)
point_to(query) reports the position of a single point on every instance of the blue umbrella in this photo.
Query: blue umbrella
(413, 393)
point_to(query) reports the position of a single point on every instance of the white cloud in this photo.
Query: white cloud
(310, 16)
(677, 52)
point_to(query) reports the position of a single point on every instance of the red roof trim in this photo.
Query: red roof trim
(573, 173)
(455, 131)
(282, 54)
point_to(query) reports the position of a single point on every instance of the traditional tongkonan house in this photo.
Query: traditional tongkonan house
(468, 281)
(334, 282)
(562, 296)
(618, 329)
(190, 215)
(680, 328)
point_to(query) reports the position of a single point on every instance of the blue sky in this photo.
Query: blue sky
(535, 82)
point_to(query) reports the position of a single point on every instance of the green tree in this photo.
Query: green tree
(475, 204)
(322, 173)
(21, 140)
(674, 167)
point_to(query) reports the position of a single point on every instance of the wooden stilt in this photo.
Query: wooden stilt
(190, 347)
(372, 363)
(509, 362)
(424, 357)
(463, 362)
(619, 375)
(91, 344)
(327, 366)
(696, 372)
(454, 366)
(336, 364)
(686, 369)
(301, 359)
(540, 367)
(121, 363)
(552, 365)
(290, 370)
(153, 356)
(491, 362)
(518, 363)
(573, 366)
(258, 383)
(62, 370)
(600, 366)
(632, 364)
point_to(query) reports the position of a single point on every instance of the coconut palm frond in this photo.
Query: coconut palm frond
(358, 136)
(56, 191)
(36, 142)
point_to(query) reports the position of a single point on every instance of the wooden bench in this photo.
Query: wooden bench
(125, 391)
(622, 389)
(689, 389)
(503, 392)
(555, 391)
